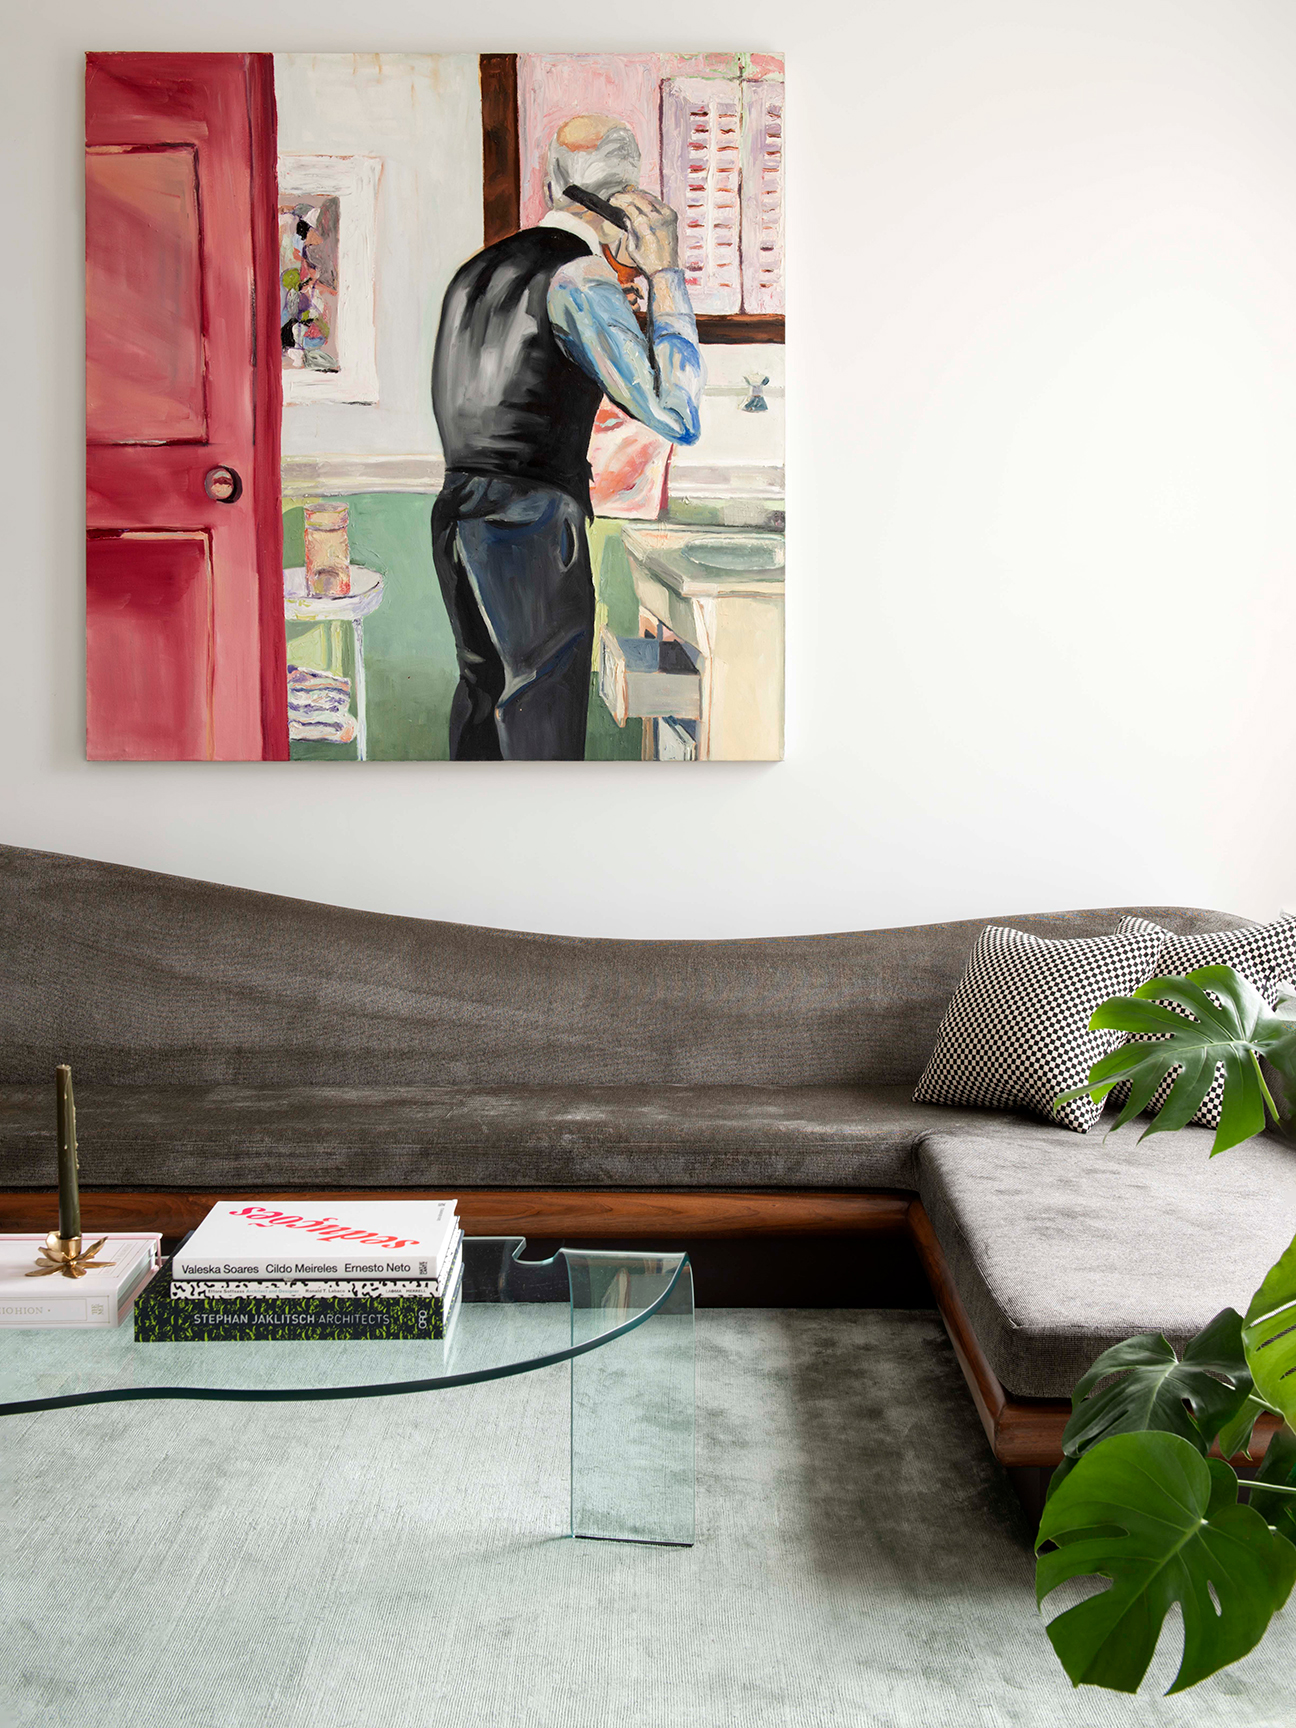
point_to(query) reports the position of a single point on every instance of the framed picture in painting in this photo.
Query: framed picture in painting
(327, 278)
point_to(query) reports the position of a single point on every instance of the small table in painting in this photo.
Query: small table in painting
(303, 607)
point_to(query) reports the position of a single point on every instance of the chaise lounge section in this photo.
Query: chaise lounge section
(228, 1041)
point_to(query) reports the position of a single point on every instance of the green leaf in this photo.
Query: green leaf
(1240, 997)
(1278, 1466)
(1149, 1513)
(1187, 1093)
(1059, 1476)
(1235, 1031)
(1235, 1435)
(1269, 1336)
(1193, 1398)
(1130, 1014)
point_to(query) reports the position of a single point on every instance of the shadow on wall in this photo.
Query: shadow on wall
(409, 650)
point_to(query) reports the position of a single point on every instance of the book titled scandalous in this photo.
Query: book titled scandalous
(161, 1318)
(277, 1239)
(353, 1284)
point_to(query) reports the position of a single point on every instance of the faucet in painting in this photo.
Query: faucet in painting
(755, 403)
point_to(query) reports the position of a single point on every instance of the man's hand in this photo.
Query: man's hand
(651, 242)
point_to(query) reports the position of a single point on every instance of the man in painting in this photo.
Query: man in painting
(535, 331)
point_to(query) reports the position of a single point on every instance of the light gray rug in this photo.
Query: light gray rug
(399, 1562)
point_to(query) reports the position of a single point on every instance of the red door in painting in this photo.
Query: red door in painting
(184, 582)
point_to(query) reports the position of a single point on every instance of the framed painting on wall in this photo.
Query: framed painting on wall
(437, 413)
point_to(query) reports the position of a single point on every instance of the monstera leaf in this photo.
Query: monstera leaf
(1236, 1030)
(1235, 1435)
(1148, 1512)
(1194, 1397)
(1269, 1336)
(1277, 1472)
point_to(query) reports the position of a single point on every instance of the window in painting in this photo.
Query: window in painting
(308, 283)
(722, 169)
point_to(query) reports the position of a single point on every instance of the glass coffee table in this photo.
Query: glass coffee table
(622, 1320)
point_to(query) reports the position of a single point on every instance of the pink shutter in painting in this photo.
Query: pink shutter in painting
(762, 197)
(702, 177)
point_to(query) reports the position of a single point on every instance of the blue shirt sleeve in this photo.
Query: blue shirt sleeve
(657, 382)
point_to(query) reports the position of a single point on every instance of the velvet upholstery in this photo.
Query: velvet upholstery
(464, 1137)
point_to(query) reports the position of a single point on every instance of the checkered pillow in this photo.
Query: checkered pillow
(1264, 954)
(1016, 1032)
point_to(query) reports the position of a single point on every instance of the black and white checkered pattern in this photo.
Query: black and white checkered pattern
(1016, 1032)
(1264, 954)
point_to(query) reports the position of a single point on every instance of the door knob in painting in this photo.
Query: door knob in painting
(222, 485)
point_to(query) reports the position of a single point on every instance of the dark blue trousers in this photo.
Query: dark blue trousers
(513, 564)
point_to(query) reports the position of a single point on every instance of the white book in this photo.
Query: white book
(348, 1239)
(207, 1289)
(104, 1297)
(454, 1302)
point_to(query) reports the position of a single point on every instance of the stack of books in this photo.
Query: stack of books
(276, 1270)
(103, 1297)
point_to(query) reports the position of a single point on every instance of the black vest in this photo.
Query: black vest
(508, 402)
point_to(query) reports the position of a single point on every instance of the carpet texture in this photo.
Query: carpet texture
(400, 1562)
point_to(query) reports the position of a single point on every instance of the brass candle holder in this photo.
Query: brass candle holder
(62, 1251)
(65, 1254)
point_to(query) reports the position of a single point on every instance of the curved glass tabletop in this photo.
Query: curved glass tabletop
(515, 1315)
(623, 1321)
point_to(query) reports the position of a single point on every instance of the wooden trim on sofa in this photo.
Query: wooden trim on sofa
(1020, 1430)
(637, 1215)
(1023, 1432)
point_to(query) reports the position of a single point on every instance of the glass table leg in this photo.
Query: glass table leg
(632, 1400)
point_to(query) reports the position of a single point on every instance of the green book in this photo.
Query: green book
(161, 1318)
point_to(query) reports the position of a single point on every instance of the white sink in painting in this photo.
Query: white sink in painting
(736, 552)
(694, 560)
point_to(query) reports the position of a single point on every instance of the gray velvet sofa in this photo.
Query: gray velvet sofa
(225, 1040)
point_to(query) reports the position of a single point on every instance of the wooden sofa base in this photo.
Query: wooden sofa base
(632, 1215)
(1025, 1433)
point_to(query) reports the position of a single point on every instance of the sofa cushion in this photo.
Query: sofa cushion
(1016, 1032)
(1060, 1247)
(474, 1137)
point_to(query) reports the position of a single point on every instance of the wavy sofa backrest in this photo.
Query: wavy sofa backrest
(143, 979)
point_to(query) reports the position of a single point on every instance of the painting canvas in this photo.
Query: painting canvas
(434, 407)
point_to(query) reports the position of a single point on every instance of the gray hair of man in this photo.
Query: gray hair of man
(611, 166)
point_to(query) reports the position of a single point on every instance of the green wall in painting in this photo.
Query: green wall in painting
(409, 651)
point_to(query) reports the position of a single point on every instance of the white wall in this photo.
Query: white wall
(421, 114)
(1041, 438)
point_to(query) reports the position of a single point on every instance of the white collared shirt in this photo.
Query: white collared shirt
(571, 225)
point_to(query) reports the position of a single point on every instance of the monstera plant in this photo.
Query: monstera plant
(1139, 1498)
